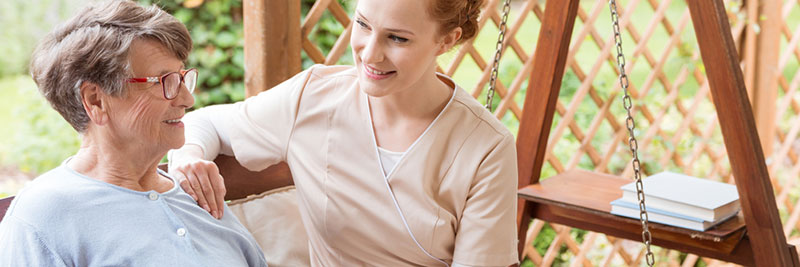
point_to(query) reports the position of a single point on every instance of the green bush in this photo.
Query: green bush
(39, 138)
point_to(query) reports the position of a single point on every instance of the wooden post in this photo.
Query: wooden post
(747, 45)
(765, 92)
(739, 132)
(272, 43)
(540, 101)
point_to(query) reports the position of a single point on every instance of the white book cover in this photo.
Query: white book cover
(682, 194)
(626, 209)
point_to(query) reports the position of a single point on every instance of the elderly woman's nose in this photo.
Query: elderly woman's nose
(185, 98)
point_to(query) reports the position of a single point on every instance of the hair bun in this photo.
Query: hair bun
(472, 10)
(452, 14)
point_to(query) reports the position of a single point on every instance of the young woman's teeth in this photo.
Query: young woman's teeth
(373, 71)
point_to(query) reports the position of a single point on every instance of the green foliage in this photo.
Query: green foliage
(545, 239)
(218, 34)
(23, 23)
(39, 138)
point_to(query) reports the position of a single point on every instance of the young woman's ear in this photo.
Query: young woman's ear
(94, 102)
(449, 40)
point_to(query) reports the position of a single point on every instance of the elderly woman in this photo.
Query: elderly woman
(115, 73)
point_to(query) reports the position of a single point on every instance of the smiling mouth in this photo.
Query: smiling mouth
(376, 74)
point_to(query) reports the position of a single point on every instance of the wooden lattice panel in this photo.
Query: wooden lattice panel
(676, 123)
(312, 18)
(784, 164)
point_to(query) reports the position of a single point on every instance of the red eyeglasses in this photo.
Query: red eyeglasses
(171, 82)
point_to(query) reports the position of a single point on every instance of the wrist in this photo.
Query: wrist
(185, 154)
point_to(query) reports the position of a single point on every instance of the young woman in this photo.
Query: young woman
(394, 164)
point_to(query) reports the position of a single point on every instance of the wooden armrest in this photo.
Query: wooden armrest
(241, 182)
(4, 203)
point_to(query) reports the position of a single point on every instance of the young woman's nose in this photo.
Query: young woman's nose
(372, 51)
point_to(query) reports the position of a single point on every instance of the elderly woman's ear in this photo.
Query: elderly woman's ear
(94, 102)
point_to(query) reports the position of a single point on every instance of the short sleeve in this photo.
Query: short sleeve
(21, 245)
(487, 231)
(256, 130)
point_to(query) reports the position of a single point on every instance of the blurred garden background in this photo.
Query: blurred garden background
(35, 138)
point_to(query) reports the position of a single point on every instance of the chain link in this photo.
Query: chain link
(498, 52)
(632, 143)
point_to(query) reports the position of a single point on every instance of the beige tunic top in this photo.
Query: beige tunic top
(456, 185)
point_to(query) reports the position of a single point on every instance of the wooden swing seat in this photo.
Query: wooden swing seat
(557, 202)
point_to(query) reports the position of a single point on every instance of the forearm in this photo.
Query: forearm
(205, 135)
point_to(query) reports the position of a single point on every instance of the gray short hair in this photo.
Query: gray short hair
(93, 46)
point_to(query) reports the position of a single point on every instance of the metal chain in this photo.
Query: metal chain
(497, 53)
(632, 143)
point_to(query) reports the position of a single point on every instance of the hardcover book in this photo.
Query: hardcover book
(685, 195)
(631, 210)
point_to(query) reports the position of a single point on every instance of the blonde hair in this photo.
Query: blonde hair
(93, 47)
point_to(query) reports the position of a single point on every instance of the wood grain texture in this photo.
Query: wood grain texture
(739, 132)
(272, 43)
(540, 101)
(557, 201)
(765, 92)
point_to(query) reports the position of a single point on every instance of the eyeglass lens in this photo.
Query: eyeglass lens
(172, 83)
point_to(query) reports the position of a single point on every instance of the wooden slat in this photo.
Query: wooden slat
(768, 50)
(738, 128)
(341, 45)
(313, 16)
(540, 101)
(748, 50)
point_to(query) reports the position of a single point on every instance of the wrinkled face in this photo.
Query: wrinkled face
(394, 44)
(143, 115)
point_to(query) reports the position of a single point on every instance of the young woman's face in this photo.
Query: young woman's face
(395, 43)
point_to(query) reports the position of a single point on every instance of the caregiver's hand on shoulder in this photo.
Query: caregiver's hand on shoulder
(199, 178)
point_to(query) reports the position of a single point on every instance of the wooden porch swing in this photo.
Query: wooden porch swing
(581, 198)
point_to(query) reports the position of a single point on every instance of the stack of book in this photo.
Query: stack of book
(681, 201)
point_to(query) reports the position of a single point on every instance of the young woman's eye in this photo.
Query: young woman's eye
(362, 24)
(398, 39)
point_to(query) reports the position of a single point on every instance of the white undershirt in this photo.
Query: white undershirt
(389, 159)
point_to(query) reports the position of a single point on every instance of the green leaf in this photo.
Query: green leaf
(225, 40)
(183, 15)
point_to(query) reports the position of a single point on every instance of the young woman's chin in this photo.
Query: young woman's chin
(376, 88)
